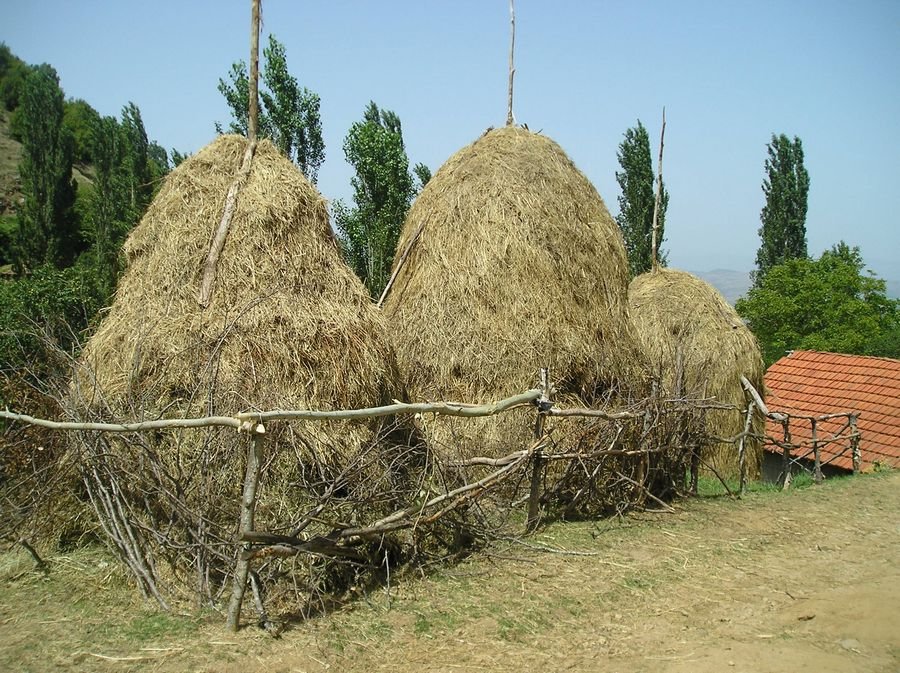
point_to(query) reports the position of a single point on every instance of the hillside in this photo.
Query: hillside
(10, 156)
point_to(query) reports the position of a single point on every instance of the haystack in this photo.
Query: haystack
(515, 265)
(701, 347)
(289, 326)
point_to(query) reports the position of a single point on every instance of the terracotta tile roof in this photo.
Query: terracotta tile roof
(813, 383)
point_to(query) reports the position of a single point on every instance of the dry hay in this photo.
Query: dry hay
(680, 317)
(518, 265)
(289, 326)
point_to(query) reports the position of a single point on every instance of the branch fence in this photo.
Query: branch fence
(652, 440)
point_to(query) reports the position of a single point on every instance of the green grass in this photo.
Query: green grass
(711, 487)
(150, 626)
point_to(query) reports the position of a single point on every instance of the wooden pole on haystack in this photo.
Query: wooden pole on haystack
(253, 112)
(512, 71)
(657, 201)
(215, 249)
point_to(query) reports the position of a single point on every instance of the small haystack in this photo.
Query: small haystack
(289, 326)
(700, 345)
(516, 264)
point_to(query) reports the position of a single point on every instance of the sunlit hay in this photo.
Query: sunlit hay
(681, 318)
(289, 326)
(516, 265)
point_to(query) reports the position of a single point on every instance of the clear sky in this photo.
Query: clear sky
(729, 73)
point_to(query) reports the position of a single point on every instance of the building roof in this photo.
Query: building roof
(811, 383)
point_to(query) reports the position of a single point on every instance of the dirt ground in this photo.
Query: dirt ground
(802, 581)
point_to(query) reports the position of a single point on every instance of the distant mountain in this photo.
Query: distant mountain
(732, 284)
(893, 289)
(735, 284)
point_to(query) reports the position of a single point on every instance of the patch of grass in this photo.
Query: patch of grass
(434, 623)
(158, 625)
(711, 487)
(637, 582)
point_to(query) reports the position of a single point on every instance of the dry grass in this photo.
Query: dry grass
(686, 325)
(518, 265)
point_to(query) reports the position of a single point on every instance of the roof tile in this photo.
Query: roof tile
(815, 383)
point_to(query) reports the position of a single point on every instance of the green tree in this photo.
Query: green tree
(826, 304)
(178, 157)
(79, 118)
(13, 72)
(289, 114)
(47, 223)
(111, 214)
(382, 192)
(786, 186)
(159, 163)
(637, 200)
(137, 160)
(423, 173)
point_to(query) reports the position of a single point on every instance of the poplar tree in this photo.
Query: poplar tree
(383, 189)
(636, 201)
(786, 186)
(47, 222)
(289, 114)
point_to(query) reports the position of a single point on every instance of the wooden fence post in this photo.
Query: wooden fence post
(741, 448)
(248, 514)
(786, 454)
(854, 443)
(534, 495)
(818, 477)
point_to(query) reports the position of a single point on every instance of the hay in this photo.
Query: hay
(674, 310)
(289, 326)
(518, 266)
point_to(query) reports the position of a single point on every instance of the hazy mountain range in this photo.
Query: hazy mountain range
(734, 284)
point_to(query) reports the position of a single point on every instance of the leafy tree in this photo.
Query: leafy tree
(178, 157)
(13, 72)
(47, 225)
(382, 192)
(137, 160)
(79, 119)
(159, 162)
(289, 115)
(423, 173)
(111, 215)
(786, 186)
(637, 200)
(826, 304)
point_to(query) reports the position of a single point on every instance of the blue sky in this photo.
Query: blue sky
(729, 73)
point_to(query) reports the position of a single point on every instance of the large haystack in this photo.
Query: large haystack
(289, 326)
(700, 345)
(516, 265)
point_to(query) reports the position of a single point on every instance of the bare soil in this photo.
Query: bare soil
(782, 582)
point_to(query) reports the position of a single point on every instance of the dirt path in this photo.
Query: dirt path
(804, 581)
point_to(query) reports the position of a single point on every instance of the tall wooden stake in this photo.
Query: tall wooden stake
(512, 71)
(248, 515)
(742, 448)
(537, 466)
(253, 112)
(854, 443)
(786, 455)
(208, 280)
(818, 477)
(659, 187)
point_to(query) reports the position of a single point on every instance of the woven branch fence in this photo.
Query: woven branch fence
(622, 459)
